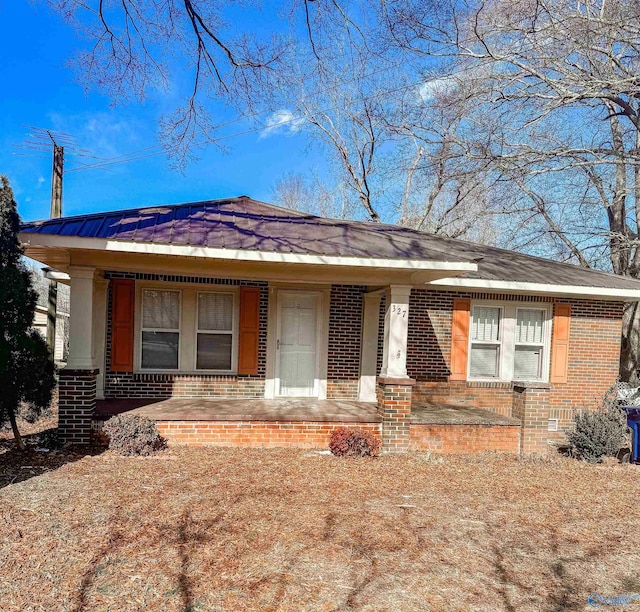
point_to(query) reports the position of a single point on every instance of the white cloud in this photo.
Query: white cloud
(282, 121)
(436, 87)
(104, 134)
(41, 180)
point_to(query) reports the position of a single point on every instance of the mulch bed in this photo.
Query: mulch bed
(240, 529)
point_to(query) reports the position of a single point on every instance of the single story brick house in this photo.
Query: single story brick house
(237, 322)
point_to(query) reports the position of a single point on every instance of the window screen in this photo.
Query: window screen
(529, 344)
(160, 329)
(214, 349)
(485, 342)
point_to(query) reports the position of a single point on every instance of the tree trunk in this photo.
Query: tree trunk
(14, 426)
(630, 353)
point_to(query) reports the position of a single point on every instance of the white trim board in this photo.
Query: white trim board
(481, 285)
(73, 242)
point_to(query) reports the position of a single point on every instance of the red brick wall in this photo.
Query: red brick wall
(594, 348)
(594, 353)
(76, 404)
(494, 396)
(262, 434)
(394, 406)
(130, 384)
(345, 335)
(343, 364)
(459, 439)
(465, 439)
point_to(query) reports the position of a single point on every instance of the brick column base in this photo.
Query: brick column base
(76, 404)
(531, 406)
(394, 406)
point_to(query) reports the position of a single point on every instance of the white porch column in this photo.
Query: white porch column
(100, 331)
(81, 355)
(396, 326)
(369, 358)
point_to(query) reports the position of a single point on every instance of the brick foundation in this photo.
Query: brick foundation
(465, 439)
(394, 406)
(261, 434)
(76, 403)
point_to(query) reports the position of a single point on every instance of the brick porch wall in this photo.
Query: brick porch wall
(261, 434)
(465, 439)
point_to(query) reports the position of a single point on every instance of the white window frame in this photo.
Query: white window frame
(187, 350)
(507, 335)
(499, 342)
(543, 346)
(159, 329)
(233, 332)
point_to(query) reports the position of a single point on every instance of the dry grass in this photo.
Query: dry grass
(218, 529)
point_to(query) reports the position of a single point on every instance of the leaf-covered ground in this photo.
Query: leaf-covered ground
(234, 529)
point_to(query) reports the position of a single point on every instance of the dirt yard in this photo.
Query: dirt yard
(218, 529)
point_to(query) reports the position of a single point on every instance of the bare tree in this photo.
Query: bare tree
(555, 89)
(137, 46)
(324, 196)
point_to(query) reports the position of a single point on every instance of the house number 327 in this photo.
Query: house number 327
(399, 311)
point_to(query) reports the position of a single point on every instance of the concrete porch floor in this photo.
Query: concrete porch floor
(205, 409)
(214, 409)
(438, 413)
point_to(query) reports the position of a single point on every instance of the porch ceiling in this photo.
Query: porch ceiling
(205, 409)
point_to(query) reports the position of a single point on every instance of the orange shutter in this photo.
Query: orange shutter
(122, 304)
(460, 339)
(249, 330)
(560, 343)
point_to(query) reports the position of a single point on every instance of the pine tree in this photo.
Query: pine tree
(26, 366)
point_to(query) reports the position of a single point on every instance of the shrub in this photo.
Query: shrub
(131, 434)
(354, 443)
(50, 438)
(599, 433)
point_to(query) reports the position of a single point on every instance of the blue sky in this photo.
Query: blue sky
(39, 90)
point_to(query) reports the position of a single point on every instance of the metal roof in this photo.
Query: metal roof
(244, 223)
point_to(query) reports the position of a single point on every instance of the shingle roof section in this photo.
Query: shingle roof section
(244, 223)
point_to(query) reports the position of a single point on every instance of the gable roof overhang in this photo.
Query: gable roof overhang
(59, 252)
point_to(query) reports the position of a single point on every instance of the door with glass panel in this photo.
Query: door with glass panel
(160, 330)
(297, 343)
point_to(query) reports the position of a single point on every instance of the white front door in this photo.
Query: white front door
(297, 344)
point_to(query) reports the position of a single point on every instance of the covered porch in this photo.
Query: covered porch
(434, 426)
(193, 305)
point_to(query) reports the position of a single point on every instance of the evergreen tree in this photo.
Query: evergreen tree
(26, 366)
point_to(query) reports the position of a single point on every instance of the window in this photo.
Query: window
(214, 341)
(160, 329)
(486, 328)
(529, 344)
(509, 341)
(186, 328)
